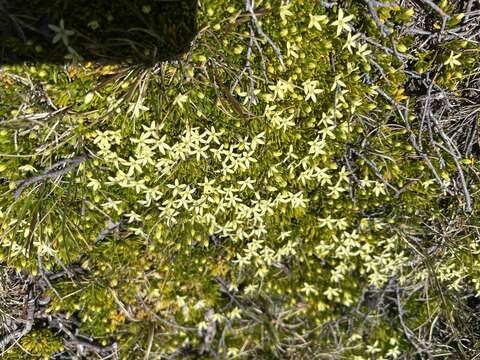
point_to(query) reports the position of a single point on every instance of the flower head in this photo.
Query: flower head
(342, 22)
(61, 33)
(452, 60)
(317, 21)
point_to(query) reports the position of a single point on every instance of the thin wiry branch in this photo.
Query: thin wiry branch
(249, 6)
(56, 170)
(436, 8)
(371, 5)
(28, 324)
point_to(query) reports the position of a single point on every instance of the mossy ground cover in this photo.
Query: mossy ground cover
(301, 183)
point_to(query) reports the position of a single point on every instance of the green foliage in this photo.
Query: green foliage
(37, 344)
(260, 211)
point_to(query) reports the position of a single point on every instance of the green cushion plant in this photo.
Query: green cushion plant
(288, 188)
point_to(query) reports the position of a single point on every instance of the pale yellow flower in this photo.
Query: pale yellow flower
(317, 21)
(452, 60)
(342, 22)
(284, 12)
(350, 42)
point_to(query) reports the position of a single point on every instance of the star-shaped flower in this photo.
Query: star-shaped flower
(337, 82)
(310, 90)
(285, 11)
(362, 51)
(317, 21)
(342, 22)
(61, 32)
(180, 100)
(350, 42)
(452, 60)
(136, 109)
(308, 289)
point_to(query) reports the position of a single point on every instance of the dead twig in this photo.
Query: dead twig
(372, 5)
(52, 172)
(16, 335)
(249, 6)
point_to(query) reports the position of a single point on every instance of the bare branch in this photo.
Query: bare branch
(54, 171)
(249, 6)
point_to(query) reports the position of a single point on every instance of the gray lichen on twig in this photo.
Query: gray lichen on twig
(56, 170)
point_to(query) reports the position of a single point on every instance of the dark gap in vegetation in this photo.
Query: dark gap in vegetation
(105, 31)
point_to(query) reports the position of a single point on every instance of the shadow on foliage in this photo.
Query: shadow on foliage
(105, 31)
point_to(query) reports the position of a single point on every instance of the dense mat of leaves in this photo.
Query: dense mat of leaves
(301, 184)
